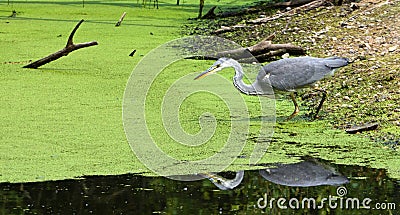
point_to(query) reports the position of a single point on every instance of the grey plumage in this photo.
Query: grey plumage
(296, 73)
(286, 75)
(304, 174)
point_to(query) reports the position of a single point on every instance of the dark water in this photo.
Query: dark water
(135, 194)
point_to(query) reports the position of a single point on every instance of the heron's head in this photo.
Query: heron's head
(217, 66)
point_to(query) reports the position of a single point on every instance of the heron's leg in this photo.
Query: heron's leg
(321, 102)
(296, 107)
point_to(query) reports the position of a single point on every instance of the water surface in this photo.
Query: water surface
(136, 194)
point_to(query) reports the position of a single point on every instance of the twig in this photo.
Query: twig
(70, 47)
(306, 7)
(120, 19)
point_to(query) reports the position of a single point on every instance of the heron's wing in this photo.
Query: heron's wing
(294, 73)
(263, 84)
(290, 74)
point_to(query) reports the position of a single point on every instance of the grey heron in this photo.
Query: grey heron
(285, 75)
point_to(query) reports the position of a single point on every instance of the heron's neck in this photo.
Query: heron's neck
(223, 183)
(239, 84)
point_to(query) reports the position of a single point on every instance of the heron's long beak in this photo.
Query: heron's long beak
(209, 71)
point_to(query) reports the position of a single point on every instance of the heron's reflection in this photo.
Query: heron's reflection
(307, 173)
(304, 174)
(224, 183)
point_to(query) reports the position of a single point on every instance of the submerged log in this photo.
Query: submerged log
(70, 47)
(132, 53)
(120, 19)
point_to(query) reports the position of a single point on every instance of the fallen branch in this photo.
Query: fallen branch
(225, 29)
(309, 6)
(254, 9)
(120, 19)
(279, 52)
(250, 10)
(292, 3)
(344, 23)
(262, 51)
(306, 7)
(70, 47)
